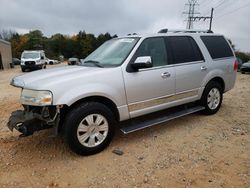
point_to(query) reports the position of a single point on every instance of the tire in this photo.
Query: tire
(23, 69)
(213, 92)
(84, 122)
(242, 72)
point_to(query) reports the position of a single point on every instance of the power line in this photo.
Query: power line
(230, 12)
(203, 1)
(220, 3)
(234, 10)
(231, 4)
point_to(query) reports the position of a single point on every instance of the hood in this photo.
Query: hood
(46, 79)
(30, 59)
(246, 64)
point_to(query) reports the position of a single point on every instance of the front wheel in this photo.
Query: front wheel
(89, 128)
(212, 98)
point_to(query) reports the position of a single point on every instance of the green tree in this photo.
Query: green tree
(35, 40)
(243, 56)
(103, 38)
(89, 45)
(80, 45)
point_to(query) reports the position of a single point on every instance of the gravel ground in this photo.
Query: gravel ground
(193, 151)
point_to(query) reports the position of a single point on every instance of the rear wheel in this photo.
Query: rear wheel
(89, 128)
(212, 98)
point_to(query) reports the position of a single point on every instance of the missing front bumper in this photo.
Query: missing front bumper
(33, 119)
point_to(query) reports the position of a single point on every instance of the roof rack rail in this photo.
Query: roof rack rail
(185, 31)
(132, 34)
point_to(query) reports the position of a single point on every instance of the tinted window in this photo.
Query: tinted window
(217, 46)
(184, 49)
(154, 47)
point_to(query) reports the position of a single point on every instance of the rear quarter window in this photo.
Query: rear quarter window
(217, 47)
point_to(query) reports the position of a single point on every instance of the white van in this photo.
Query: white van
(33, 60)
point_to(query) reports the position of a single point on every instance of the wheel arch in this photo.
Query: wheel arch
(101, 99)
(218, 80)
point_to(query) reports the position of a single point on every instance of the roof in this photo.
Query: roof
(4, 41)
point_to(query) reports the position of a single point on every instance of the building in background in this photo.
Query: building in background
(5, 54)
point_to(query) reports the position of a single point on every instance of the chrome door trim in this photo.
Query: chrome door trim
(162, 100)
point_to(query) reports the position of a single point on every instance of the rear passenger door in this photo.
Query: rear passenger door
(189, 63)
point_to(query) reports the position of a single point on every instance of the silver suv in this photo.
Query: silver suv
(131, 82)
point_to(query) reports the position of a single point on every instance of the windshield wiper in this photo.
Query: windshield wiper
(96, 63)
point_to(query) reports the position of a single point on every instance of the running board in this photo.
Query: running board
(155, 119)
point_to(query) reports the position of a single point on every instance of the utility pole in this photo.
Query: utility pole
(211, 19)
(204, 18)
(192, 4)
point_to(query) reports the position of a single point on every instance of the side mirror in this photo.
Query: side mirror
(142, 62)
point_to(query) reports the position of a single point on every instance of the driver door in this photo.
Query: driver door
(150, 89)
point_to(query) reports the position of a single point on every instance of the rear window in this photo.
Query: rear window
(217, 46)
(184, 49)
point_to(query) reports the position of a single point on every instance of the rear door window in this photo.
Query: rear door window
(217, 46)
(184, 49)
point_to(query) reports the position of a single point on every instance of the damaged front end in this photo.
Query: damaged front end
(34, 118)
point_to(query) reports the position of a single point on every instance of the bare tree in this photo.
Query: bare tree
(7, 34)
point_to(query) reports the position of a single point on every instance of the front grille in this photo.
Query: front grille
(30, 63)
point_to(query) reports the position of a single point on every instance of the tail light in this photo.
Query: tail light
(236, 64)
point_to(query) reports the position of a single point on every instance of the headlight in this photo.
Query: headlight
(36, 98)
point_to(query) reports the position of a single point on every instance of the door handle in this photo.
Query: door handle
(165, 75)
(203, 68)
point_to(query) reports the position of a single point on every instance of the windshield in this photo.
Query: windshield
(30, 55)
(112, 53)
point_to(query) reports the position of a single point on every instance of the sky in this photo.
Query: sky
(231, 17)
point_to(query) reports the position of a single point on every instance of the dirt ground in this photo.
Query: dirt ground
(193, 151)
